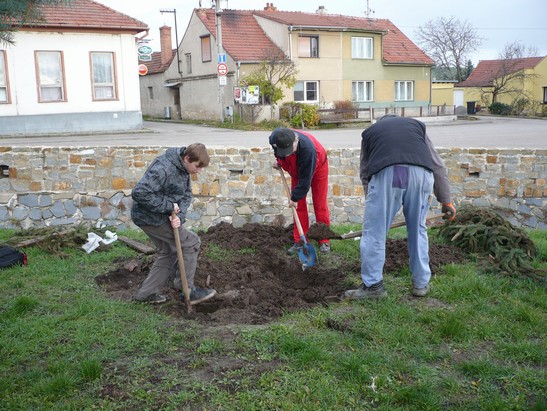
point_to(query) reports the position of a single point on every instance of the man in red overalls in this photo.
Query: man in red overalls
(305, 159)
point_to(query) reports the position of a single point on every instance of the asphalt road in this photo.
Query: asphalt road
(485, 132)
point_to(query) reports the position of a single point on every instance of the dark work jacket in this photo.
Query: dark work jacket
(310, 156)
(166, 181)
(401, 140)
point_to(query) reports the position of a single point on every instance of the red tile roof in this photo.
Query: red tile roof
(87, 14)
(488, 70)
(242, 35)
(155, 66)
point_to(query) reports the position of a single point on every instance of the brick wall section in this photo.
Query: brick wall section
(67, 185)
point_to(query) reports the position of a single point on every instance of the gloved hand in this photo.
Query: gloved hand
(449, 210)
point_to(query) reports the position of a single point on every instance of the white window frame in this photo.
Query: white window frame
(50, 76)
(362, 48)
(188, 63)
(308, 46)
(404, 90)
(305, 87)
(4, 79)
(103, 89)
(362, 90)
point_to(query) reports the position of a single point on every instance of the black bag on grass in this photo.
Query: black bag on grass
(10, 256)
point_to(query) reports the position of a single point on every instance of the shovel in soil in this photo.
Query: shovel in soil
(182, 270)
(306, 253)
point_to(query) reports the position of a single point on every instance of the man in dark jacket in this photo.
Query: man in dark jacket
(305, 159)
(399, 167)
(164, 188)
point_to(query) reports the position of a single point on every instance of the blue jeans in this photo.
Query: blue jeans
(395, 186)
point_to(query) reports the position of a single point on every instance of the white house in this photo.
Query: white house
(75, 71)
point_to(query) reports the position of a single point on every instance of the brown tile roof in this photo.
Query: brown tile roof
(87, 14)
(488, 70)
(397, 48)
(242, 36)
(155, 66)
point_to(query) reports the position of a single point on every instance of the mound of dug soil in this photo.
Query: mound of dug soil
(255, 280)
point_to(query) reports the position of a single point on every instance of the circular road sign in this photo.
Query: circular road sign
(222, 69)
(143, 69)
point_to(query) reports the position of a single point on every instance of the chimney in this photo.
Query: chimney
(321, 10)
(270, 7)
(166, 45)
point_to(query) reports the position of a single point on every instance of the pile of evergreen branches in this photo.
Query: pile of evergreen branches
(483, 231)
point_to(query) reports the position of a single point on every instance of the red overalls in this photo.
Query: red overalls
(319, 187)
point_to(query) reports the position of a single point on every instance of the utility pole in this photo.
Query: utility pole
(174, 11)
(368, 11)
(218, 13)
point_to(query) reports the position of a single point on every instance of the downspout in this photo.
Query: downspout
(290, 42)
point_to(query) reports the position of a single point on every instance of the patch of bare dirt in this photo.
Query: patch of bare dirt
(257, 281)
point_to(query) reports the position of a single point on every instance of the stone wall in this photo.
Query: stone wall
(51, 186)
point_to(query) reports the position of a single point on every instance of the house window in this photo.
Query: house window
(4, 84)
(103, 75)
(404, 90)
(544, 95)
(188, 63)
(50, 76)
(151, 93)
(362, 91)
(308, 46)
(205, 48)
(361, 47)
(307, 91)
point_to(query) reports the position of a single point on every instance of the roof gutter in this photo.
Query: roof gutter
(334, 28)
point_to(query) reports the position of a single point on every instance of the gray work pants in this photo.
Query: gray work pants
(165, 266)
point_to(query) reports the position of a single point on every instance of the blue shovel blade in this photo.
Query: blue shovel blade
(307, 255)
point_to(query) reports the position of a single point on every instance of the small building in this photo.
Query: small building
(75, 70)
(506, 81)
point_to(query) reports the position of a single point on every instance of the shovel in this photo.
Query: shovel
(306, 253)
(182, 270)
(394, 225)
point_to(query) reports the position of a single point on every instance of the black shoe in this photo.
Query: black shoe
(374, 291)
(198, 295)
(153, 299)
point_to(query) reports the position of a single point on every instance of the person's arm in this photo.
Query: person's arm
(305, 162)
(441, 185)
(363, 167)
(148, 191)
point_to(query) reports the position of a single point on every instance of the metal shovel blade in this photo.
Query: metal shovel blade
(307, 254)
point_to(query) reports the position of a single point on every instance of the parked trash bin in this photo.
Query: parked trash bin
(471, 107)
(167, 113)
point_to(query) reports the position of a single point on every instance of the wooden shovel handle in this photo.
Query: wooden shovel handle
(182, 269)
(294, 212)
(394, 225)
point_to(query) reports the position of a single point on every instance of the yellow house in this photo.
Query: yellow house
(367, 61)
(512, 82)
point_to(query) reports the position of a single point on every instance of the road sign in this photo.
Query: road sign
(222, 80)
(221, 58)
(222, 69)
(145, 57)
(143, 69)
(145, 50)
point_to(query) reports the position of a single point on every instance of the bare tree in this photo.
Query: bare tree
(16, 13)
(449, 42)
(511, 74)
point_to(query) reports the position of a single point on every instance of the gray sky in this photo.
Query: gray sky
(499, 22)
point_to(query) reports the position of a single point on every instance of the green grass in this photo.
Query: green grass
(476, 343)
